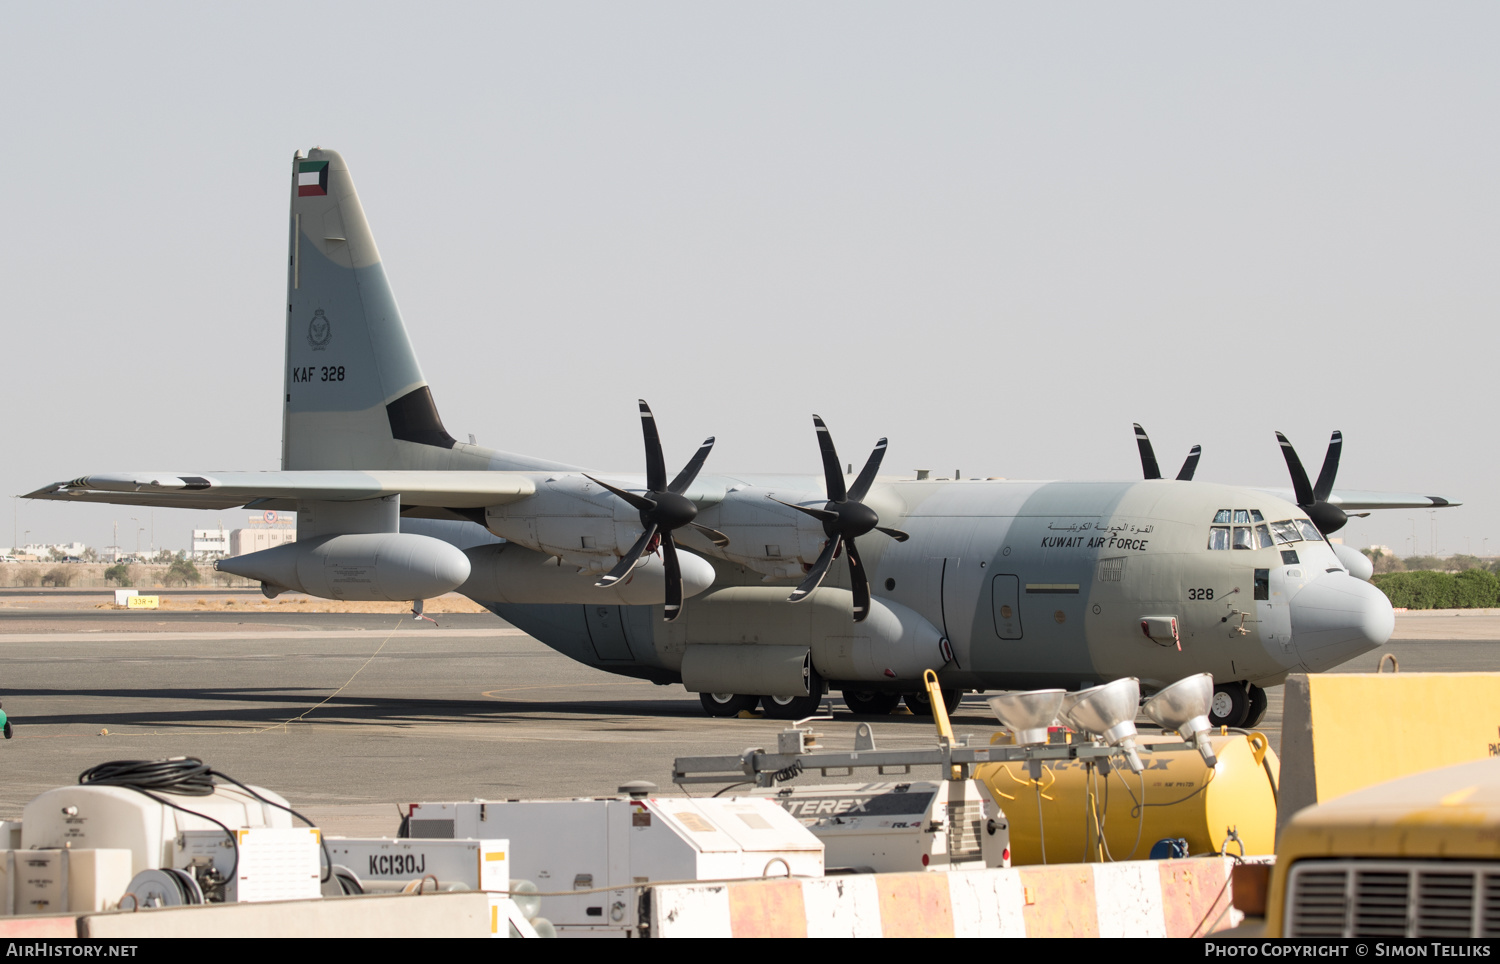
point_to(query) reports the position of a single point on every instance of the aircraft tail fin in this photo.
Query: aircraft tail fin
(355, 397)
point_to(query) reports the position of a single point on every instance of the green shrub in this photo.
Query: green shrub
(1477, 589)
(1422, 589)
(1428, 589)
(119, 574)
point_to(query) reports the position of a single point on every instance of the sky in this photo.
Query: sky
(996, 233)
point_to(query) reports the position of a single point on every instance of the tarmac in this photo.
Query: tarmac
(350, 715)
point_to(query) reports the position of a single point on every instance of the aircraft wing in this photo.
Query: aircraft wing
(223, 490)
(1358, 500)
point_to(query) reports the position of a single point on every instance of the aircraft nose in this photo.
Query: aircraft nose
(1336, 617)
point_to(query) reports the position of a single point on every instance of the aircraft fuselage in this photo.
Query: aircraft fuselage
(1007, 585)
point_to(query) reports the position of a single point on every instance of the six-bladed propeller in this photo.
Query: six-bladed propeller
(1151, 470)
(663, 509)
(1313, 499)
(844, 517)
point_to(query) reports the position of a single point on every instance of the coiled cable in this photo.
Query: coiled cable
(185, 776)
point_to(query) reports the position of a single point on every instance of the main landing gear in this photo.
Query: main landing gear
(881, 703)
(724, 705)
(1237, 704)
(791, 707)
(859, 702)
(871, 702)
(920, 705)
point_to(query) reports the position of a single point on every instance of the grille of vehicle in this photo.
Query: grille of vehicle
(1377, 898)
(965, 823)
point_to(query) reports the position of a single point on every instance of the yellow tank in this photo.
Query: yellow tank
(1183, 798)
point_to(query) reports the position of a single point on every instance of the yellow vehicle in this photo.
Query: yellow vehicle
(1415, 857)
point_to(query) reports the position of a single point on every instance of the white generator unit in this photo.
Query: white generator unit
(376, 865)
(89, 816)
(450, 864)
(177, 857)
(898, 827)
(601, 850)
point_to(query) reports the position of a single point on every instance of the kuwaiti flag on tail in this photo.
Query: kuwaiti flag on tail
(312, 178)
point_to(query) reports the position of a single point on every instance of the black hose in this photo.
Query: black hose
(185, 775)
(189, 777)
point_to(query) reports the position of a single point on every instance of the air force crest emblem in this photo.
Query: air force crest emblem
(319, 331)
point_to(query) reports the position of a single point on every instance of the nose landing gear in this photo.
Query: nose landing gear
(1238, 704)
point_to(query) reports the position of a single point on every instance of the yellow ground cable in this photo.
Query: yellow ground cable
(300, 716)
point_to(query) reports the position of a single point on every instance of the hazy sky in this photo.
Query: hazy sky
(996, 233)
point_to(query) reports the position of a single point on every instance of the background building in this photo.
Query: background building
(266, 529)
(209, 543)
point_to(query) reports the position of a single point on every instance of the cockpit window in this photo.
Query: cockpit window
(1285, 531)
(1309, 531)
(1247, 529)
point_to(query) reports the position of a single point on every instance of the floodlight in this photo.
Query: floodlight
(1027, 714)
(1184, 707)
(1109, 711)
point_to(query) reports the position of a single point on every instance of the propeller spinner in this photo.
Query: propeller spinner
(663, 509)
(844, 517)
(1151, 470)
(1313, 499)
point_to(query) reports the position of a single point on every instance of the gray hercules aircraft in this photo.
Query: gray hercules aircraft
(995, 584)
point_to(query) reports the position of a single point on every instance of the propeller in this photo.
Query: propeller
(1148, 458)
(663, 510)
(844, 517)
(1313, 499)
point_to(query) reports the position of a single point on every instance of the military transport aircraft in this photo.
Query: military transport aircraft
(730, 584)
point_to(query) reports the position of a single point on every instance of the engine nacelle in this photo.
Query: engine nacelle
(381, 566)
(514, 574)
(1359, 567)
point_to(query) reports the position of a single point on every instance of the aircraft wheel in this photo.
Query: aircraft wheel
(1258, 703)
(870, 703)
(796, 707)
(920, 705)
(1230, 705)
(725, 705)
(791, 707)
